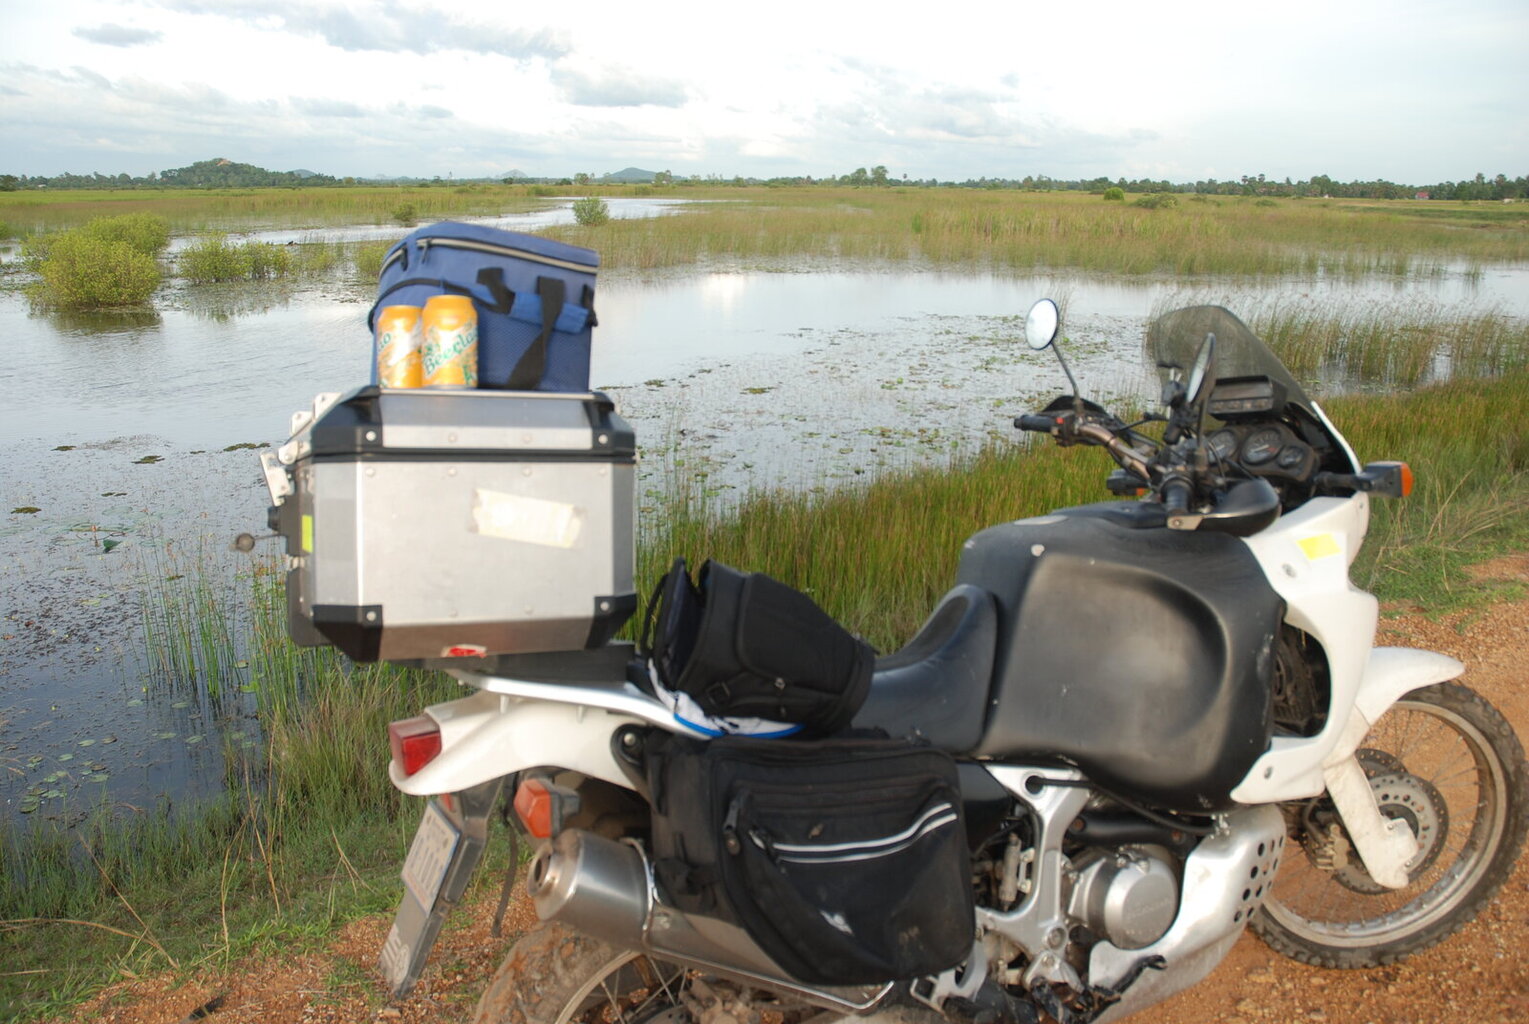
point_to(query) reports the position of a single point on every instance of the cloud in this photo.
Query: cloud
(617, 86)
(387, 27)
(118, 35)
(327, 108)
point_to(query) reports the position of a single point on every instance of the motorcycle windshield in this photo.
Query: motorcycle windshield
(1174, 339)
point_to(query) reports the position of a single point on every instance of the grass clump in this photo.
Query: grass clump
(106, 263)
(81, 272)
(1114, 194)
(215, 258)
(591, 211)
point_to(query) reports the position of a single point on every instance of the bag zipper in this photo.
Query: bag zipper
(931, 821)
(425, 244)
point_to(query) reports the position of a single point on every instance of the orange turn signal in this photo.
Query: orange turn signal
(533, 806)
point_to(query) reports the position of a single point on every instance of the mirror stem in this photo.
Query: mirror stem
(1077, 396)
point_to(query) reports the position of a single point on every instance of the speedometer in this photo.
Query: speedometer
(1222, 444)
(1261, 446)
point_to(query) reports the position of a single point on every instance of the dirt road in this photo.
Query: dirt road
(1480, 975)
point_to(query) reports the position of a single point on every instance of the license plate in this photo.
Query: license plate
(424, 870)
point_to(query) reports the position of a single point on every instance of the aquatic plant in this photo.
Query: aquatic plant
(214, 258)
(80, 271)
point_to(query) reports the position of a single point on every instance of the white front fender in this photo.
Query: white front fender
(489, 735)
(1393, 672)
(1292, 768)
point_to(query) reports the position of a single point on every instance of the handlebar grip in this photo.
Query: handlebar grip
(1176, 495)
(1039, 424)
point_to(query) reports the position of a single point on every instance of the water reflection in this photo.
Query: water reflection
(129, 321)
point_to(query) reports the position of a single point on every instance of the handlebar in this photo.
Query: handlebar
(1176, 495)
(1039, 424)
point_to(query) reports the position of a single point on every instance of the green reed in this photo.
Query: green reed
(1015, 230)
(193, 211)
(1334, 345)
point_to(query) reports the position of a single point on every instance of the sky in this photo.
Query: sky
(1407, 91)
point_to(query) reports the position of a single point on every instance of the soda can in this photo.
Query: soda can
(399, 340)
(451, 342)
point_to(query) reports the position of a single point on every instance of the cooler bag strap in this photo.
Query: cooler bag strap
(532, 366)
(492, 279)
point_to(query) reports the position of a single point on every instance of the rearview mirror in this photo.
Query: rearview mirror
(1041, 324)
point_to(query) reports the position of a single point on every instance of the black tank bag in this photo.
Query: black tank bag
(745, 645)
(844, 859)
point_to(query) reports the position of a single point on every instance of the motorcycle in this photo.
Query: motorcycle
(1167, 712)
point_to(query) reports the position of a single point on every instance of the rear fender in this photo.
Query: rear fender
(488, 735)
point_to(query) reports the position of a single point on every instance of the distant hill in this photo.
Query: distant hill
(632, 175)
(221, 173)
(512, 173)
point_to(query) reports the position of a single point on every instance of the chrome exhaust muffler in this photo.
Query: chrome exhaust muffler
(593, 884)
(604, 889)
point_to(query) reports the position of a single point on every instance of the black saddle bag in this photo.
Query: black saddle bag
(746, 645)
(845, 859)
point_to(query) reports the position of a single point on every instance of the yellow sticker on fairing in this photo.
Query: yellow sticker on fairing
(307, 535)
(1323, 545)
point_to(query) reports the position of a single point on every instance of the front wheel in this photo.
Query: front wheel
(1447, 763)
(555, 975)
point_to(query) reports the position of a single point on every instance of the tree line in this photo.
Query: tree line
(221, 173)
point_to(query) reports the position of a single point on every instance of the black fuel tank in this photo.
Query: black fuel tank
(1141, 655)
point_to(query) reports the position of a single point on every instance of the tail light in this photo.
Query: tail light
(415, 742)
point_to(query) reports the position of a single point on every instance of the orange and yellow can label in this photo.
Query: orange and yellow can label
(450, 351)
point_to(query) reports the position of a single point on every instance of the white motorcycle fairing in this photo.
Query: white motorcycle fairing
(510, 725)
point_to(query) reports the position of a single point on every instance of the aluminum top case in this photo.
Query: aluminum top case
(424, 524)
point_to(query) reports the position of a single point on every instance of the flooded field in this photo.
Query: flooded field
(131, 442)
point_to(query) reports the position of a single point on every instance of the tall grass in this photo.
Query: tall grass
(1338, 346)
(1024, 230)
(195, 211)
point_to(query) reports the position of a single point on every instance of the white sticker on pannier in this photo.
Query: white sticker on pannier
(551, 524)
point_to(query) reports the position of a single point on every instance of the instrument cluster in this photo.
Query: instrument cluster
(1267, 449)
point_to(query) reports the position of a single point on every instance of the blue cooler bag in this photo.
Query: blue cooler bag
(534, 297)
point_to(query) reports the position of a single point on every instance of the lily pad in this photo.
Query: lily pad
(53, 794)
(64, 448)
(191, 740)
(29, 804)
(164, 735)
(87, 743)
(66, 757)
(135, 702)
(97, 777)
(108, 544)
(148, 460)
(25, 510)
(181, 704)
(35, 759)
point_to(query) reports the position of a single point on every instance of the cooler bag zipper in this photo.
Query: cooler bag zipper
(424, 245)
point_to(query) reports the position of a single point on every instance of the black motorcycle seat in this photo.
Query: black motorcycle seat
(936, 686)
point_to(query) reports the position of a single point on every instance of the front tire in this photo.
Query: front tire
(1446, 762)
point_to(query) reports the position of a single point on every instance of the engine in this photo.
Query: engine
(1127, 896)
